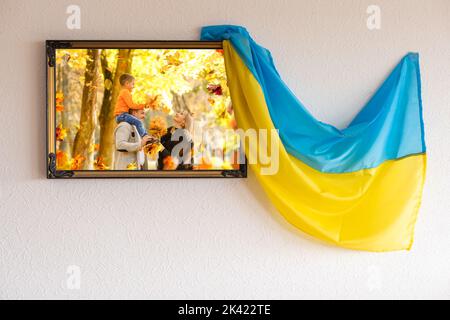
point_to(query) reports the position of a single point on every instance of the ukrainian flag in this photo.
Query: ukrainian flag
(359, 187)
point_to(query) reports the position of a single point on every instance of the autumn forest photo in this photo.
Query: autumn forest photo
(121, 109)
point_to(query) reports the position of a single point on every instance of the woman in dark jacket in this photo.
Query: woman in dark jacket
(176, 134)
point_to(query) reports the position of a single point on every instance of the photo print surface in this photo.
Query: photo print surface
(143, 109)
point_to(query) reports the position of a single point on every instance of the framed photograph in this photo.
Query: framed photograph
(140, 109)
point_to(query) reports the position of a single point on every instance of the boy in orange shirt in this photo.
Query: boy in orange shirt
(125, 103)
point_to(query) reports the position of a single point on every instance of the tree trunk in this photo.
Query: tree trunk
(83, 137)
(63, 78)
(106, 117)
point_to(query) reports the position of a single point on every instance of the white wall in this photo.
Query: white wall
(214, 238)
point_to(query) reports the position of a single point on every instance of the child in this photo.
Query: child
(125, 103)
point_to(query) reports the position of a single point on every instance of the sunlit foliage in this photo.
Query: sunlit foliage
(164, 77)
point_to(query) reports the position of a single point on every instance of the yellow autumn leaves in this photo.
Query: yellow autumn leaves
(161, 74)
(59, 101)
(132, 166)
(61, 133)
(64, 163)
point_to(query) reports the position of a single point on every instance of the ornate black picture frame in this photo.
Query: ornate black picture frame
(51, 126)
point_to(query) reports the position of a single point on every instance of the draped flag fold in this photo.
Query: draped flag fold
(358, 187)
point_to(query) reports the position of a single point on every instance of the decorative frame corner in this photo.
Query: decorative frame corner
(53, 173)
